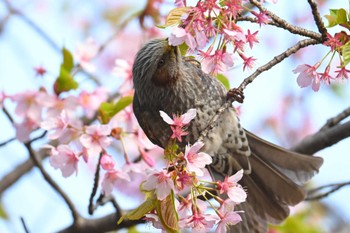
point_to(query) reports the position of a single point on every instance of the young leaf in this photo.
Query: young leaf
(346, 53)
(183, 49)
(108, 110)
(174, 16)
(140, 211)
(167, 214)
(336, 17)
(64, 82)
(68, 61)
(224, 80)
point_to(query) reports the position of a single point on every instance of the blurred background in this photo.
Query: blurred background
(32, 34)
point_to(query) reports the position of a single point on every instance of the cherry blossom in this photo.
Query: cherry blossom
(308, 75)
(217, 62)
(107, 162)
(262, 17)
(113, 178)
(96, 138)
(196, 161)
(178, 122)
(90, 102)
(342, 73)
(200, 223)
(65, 159)
(180, 35)
(85, 52)
(161, 182)
(251, 38)
(39, 71)
(123, 69)
(24, 129)
(230, 187)
(227, 219)
(28, 105)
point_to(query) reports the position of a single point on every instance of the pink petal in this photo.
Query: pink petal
(189, 115)
(166, 118)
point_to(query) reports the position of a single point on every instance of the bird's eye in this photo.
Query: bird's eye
(161, 62)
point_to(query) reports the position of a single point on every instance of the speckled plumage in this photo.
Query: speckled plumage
(166, 81)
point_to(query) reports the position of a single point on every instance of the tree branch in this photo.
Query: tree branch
(318, 20)
(311, 195)
(323, 139)
(335, 120)
(51, 182)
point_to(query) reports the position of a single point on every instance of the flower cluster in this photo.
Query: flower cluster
(310, 75)
(180, 182)
(214, 21)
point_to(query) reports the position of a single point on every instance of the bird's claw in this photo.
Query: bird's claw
(236, 94)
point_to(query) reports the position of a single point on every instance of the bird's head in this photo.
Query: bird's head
(156, 64)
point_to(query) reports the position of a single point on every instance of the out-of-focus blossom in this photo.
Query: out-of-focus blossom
(65, 159)
(113, 178)
(85, 52)
(96, 138)
(24, 129)
(39, 71)
(123, 69)
(196, 161)
(161, 182)
(90, 102)
(107, 162)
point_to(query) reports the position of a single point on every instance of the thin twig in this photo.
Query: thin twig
(33, 25)
(7, 141)
(301, 44)
(279, 22)
(91, 207)
(333, 188)
(8, 115)
(335, 120)
(318, 20)
(24, 225)
(102, 200)
(34, 156)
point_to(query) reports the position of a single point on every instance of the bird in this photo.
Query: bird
(274, 177)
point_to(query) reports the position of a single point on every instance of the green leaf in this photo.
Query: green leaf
(3, 213)
(224, 80)
(68, 61)
(346, 53)
(167, 214)
(183, 49)
(140, 211)
(174, 16)
(108, 110)
(64, 82)
(336, 17)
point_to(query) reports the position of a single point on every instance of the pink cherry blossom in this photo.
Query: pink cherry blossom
(107, 162)
(251, 38)
(227, 219)
(178, 122)
(325, 77)
(161, 182)
(40, 71)
(123, 69)
(196, 161)
(58, 124)
(180, 35)
(343, 73)
(185, 206)
(90, 102)
(333, 42)
(217, 63)
(230, 187)
(184, 179)
(262, 17)
(308, 75)
(85, 52)
(65, 159)
(113, 178)
(24, 129)
(96, 138)
(200, 223)
(28, 105)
